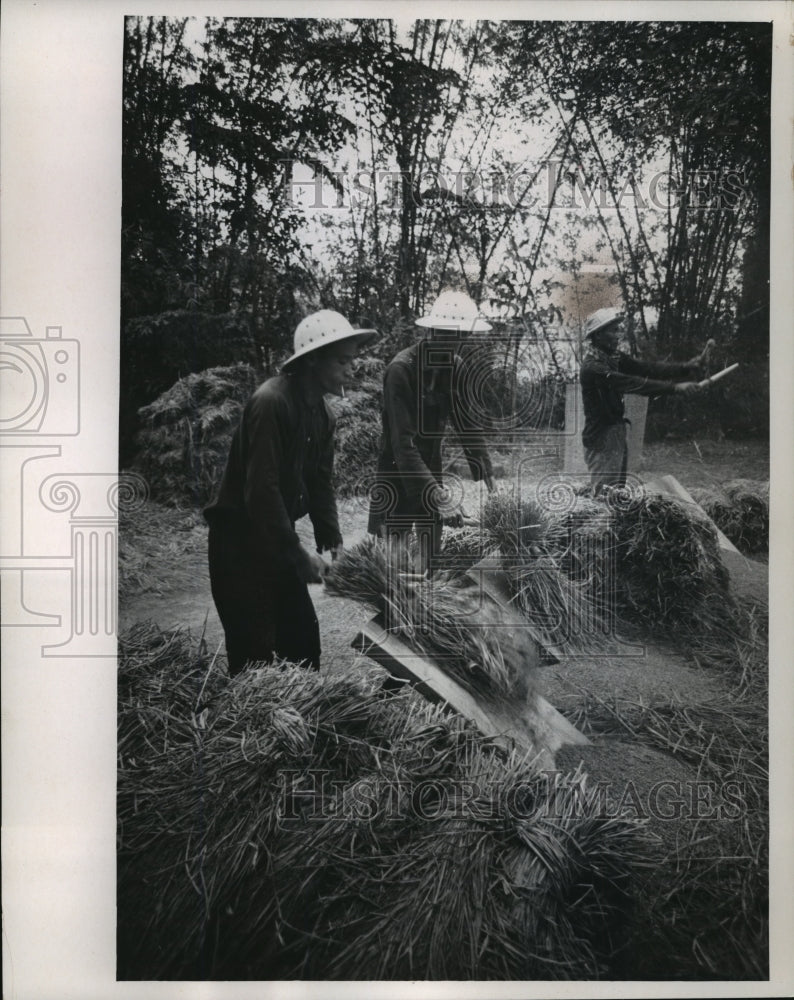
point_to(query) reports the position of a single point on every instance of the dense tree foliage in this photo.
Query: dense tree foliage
(694, 97)
(272, 166)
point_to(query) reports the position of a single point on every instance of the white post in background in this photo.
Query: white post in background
(636, 411)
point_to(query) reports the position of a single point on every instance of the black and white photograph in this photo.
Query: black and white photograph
(444, 369)
(432, 572)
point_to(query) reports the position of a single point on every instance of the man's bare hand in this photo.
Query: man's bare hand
(687, 387)
(441, 500)
(313, 569)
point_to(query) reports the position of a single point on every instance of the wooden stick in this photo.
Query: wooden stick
(715, 378)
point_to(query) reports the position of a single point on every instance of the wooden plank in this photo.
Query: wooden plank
(534, 725)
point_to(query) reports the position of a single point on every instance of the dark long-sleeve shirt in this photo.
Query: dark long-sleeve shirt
(280, 467)
(423, 389)
(605, 378)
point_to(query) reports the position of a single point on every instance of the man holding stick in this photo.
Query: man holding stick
(279, 468)
(605, 375)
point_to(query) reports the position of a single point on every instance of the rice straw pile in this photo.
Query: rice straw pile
(708, 905)
(752, 499)
(301, 826)
(650, 565)
(461, 548)
(740, 509)
(536, 554)
(184, 436)
(719, 507)
(668, 574)
(153, 541)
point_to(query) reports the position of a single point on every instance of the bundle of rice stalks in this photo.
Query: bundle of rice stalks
(162, 676)
(517, 524)
(435, 617)
(463, 547)
(583, 513)
(304, 827)
(566, 612)
(536, 554)
(363, 573)
(719, 507)
(432, 615)
(752, 500)
(667, 572)
(740, 509)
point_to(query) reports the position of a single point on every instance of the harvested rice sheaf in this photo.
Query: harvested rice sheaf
(667, 570)
(752, 500)
(185, 433)
(514, 523)
(463, 547)
(650, 563)
(162, 677)
(432, 615)
(536, 552)
(740, 509)
(302, 826)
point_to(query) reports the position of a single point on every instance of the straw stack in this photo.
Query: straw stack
(301, 826)
(740, 509)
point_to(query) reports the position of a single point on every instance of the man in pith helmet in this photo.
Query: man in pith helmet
(424, 386)
(280, 468)
(605, 375)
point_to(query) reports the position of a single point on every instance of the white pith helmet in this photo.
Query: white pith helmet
(455, 311)
(325, 327)
(600, 318)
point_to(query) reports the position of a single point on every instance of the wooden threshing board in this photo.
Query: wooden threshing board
(535, 724)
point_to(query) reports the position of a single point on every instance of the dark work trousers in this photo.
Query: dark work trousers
(265, 612)
(607, 459)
